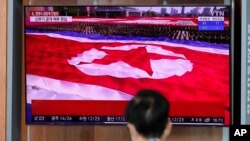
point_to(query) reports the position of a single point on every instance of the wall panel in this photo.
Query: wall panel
(195, 1)
(48, 2)
(61, 133)
(129, 2)
(3, 68)
(185, 133)
(112, 133)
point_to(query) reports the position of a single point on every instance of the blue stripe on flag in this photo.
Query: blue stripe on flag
(135, 38)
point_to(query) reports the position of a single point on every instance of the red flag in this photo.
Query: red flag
(198, 80)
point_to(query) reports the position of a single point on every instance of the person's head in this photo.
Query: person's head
(148, 116)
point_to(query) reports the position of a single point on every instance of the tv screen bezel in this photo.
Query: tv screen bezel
(231, 61)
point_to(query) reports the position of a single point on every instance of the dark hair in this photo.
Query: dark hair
(148, 111)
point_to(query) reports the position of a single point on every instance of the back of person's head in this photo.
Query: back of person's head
(147, 115)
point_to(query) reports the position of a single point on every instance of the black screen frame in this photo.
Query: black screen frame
(233, 105)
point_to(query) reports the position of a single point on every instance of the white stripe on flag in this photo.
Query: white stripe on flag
(43, 88)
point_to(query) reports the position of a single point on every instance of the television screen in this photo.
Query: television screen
(84, 63)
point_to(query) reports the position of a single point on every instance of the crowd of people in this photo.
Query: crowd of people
(173, 32)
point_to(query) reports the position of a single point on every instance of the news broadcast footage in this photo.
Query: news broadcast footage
(84, 63)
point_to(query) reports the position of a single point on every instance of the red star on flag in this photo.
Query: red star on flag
(138, 58)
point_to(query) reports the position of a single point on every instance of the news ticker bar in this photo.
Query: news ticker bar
(215, 18)
(51, 19)
(120, 119)
(209, 28)
(44, 13)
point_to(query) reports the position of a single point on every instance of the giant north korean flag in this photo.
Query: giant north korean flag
(69, 67)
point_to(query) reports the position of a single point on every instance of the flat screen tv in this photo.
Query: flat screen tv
(84, 63)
